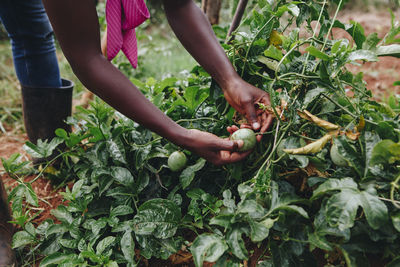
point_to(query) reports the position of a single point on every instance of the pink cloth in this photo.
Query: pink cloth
(123, 16)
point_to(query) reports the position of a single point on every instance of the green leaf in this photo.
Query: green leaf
(389, 50)
(104, 244)
(236, 243)
(396, 221)
(270, 63)
(121, 210)
(375, 210)
(158, 217)
(394, 263)
(273, 52)
(31, 196)
(117, 151)
(333, 184)
(312, 95)
(355, 30)
(22, 238)
(252, 208)
(128, 247)
(258, 231)
(62, 214)
(341, 209)
(57, 258)
(350, 154)
(371, 42)
(188, 174)
(317, 53)
(56, 229)
(319, 242)
(122, 176)
(222, 220)
(207, 247)
(385, 152)
(364, 55)
(43, 149)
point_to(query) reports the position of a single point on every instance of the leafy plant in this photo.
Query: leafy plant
(126, 205)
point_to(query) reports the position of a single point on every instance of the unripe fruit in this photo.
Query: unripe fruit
(248, 137)
(177, 161)
(337, 158)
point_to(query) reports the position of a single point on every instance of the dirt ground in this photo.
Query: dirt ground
(379, 76)
(49, 198)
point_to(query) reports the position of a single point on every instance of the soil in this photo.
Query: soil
(49, 197)
(379, 76)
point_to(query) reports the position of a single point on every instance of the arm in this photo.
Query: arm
(75, 23)
(193, 30)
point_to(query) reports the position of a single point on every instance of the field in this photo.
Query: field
(266, 211)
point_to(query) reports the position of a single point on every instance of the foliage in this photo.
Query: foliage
(126, 200)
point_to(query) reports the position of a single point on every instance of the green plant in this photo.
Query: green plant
(295, 206)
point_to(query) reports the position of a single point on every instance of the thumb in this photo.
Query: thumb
(251, 116)
(230, 145)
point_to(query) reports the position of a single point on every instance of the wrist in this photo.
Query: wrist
(180, 136)
(230, 82)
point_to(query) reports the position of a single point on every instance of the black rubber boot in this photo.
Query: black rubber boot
(46, 109)
(7, 256)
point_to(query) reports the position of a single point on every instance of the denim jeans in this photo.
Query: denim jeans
(32, 42)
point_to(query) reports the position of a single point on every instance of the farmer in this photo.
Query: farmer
(76, 26)
(46, 97)
(75, 23)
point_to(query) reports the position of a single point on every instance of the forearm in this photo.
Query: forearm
(194, 31)
(77, 30)
(113, 87)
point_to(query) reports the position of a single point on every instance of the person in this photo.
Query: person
(46, 97)
(76, 26)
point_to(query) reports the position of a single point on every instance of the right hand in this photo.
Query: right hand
(216, 150)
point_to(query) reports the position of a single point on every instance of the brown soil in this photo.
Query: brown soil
(380, 75)
(49, 198)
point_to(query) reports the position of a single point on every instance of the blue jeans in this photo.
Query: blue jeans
(32, 42)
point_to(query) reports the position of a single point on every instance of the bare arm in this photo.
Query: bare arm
(193, 30)
(75, 23)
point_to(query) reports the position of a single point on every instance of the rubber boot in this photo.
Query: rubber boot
(45, 110)
(7, 256)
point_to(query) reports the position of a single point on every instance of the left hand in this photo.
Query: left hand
(244, 97)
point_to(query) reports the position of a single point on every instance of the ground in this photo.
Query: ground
(379, 76)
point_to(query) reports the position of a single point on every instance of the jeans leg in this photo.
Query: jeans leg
(32, 42)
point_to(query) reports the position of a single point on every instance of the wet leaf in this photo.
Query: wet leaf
(207, 247)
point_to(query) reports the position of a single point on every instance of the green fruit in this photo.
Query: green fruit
(177, 161)
(336, 158)
(248, 137)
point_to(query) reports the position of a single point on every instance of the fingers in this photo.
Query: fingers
(251, 116)
(228, 157)
(229, 145)
(232, 129)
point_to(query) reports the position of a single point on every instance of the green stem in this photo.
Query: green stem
(394, 186)
(252, 42)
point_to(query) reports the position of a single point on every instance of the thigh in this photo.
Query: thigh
(25, 19)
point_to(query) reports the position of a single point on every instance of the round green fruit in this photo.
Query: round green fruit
(336, 158)
(248, 137)
(177, 161)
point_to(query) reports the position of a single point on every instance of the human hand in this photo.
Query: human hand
(214, 149)
(244, 97)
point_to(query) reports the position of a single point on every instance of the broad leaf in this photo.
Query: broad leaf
(207, 247)
(188, 174)
(158, 217)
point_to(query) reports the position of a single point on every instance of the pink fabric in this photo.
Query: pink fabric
(123, 16)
